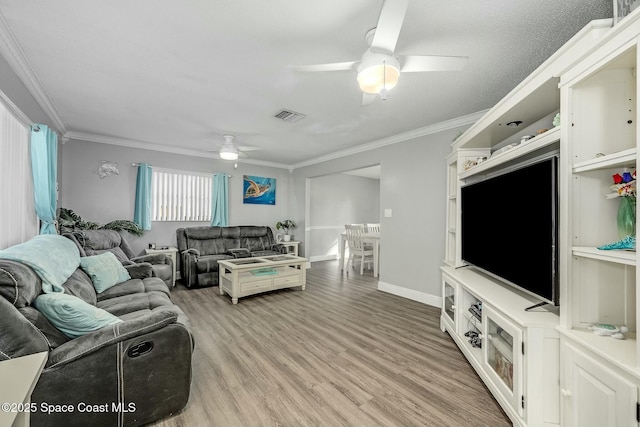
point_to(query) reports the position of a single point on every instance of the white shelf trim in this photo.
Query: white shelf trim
(549, 137)
(615, 256)
(621, 158)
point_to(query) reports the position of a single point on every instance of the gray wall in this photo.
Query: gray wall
(15, 90)
(336, 200)
(103, 200)
(412, 184)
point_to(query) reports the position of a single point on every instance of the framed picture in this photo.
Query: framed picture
(259, 190)
(622, 8)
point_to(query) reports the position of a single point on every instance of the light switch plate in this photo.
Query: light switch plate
(387, 213)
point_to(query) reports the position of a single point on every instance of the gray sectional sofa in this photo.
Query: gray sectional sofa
(95, 242)
(201, 248)
(144, 360)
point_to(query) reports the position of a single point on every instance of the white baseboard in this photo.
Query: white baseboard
(323, 258)
(422, 297)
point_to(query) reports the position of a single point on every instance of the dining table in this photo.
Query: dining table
(373, 238)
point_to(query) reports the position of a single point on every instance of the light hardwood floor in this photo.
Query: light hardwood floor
(340, 353)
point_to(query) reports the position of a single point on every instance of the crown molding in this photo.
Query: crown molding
(401, 137)
(395, 139)
(10, 49)
(131, 143)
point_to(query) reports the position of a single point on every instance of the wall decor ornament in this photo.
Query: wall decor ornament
(107, 168)
(258, 190)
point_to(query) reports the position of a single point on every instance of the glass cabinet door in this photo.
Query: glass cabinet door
(503, 356)
(449, 306)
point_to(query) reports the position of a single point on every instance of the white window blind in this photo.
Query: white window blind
(180, 196)
(18, 219)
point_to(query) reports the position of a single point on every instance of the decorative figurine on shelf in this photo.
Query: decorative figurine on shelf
(605, 329)
(624, 186)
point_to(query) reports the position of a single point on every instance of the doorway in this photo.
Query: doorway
(333, 200)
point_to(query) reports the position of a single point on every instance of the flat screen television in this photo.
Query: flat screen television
(510, 228)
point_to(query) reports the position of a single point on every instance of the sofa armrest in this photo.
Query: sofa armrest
(94, 341)
(139, 271)
(191, 251)
(153, 259)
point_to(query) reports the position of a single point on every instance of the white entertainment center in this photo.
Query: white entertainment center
(544, 366)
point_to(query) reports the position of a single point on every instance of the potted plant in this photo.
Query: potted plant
(286, 225)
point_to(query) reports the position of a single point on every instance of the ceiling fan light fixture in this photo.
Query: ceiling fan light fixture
(378, 71)
(228, 153)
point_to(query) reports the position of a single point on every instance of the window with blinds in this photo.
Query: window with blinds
(180, 196)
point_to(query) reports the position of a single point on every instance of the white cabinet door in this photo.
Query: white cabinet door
(594, 396)
(503, 356)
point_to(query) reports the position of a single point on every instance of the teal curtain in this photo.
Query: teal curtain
(44, 167)
(220, 200)
(142, 209)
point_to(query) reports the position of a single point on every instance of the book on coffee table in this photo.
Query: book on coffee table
(263, 271)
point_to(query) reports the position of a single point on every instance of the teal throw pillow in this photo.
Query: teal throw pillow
(105, 270)
(71, 315)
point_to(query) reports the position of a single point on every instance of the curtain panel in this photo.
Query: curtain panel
(18, 219)
(44, 167)
(142, 208)
(220, 200)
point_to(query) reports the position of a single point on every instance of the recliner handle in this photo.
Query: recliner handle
(140, 349)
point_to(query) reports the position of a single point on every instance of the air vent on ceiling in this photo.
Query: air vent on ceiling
(289, 116)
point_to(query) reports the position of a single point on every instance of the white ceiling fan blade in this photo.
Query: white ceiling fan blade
(416, 64)
(389, 25)
(336, 66)
(248, 148)
(368, 98)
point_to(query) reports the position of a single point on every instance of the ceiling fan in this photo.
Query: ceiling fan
(379, 68)
(229, 150)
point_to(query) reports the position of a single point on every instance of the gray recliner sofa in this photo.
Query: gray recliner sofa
(201, 248)
(95, 242)
(144, 361)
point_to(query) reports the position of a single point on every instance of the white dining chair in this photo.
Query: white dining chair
(372, 228)
(356, 246)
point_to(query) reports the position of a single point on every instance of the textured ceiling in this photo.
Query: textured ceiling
(180, 74)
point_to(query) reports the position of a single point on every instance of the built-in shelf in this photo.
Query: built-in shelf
(626, 158)
(475, 351)
(615, 256)
(543, 140)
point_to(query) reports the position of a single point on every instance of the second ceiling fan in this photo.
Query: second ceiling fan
(379, 68)
(230, 150)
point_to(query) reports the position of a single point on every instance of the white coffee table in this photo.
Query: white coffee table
(248, 276)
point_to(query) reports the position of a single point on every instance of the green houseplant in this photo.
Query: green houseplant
(70, 222)
(286, 225)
